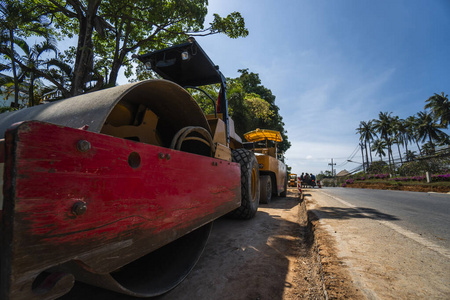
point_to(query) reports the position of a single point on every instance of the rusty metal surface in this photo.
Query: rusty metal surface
(163, 97)
(98, 206)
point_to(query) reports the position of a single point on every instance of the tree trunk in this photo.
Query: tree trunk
(13, 65)
(431, 143)
(115, 71)
(370, 151)
(389, 157)
(367, 156)
(399, 153)
(406, 146)
(362, 154)
(84, 61)
(31, 91)
(417, 143)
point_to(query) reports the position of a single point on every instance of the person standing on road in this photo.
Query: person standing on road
(307, 179)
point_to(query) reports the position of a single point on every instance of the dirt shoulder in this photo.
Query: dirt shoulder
(272, 256)
(337, 280)
(373, 258)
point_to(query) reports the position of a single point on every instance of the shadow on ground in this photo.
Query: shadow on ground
(352, 213)
(245, 259)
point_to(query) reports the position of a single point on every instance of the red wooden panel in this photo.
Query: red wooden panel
(132, 207)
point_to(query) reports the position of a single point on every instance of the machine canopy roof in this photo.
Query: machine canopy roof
(262, 135)
(186, 64)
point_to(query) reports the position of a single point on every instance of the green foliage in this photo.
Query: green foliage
(206, 104)
(410, 155)
(233, 25)
(428, 129)
(425, 128)
(251, 84)
(419, 167)
(109, 32)
(7, 108)
(19, 19)
(378, 167)
(248, 109)
(440, 107)
(326, 174)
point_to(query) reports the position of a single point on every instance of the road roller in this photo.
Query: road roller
(119, 188)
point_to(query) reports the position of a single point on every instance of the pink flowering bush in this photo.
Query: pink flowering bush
(440, 177)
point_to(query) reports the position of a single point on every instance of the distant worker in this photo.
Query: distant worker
(301, 179)
(307, 179)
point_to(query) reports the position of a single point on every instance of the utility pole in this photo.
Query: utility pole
(332, 167)
(362, 154)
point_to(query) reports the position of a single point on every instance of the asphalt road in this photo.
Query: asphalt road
(395, 244)
(426, 214)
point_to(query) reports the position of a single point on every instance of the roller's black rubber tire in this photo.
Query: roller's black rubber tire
(284, 193)
(250, 184)
(266, 189)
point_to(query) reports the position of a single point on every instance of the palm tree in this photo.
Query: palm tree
(398, 131)
(410, 155)
(366, 131)
(427, 128)
(16, 18)
(379, 146)
(32, 65)
(440, 107)
(428, 148)
(406, 138)
(384, 127)
(412, 134)
(60, 75)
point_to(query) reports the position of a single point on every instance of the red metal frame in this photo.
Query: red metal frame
(70, 194)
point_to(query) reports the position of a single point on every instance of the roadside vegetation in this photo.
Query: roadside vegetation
(425, 131)
(105, 35)
(55, 49)
(411, 153)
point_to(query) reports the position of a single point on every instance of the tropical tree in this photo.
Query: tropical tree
(412, 135)
(428, 148)
(32, 65)
(383, 126)
(410, 155)
(109, 32)
(428, 129)
(440, 108)
(59, 73)
(251, 84)
(248, 109)
(18, 18)
(398, 131)
(378, 147)
(366, 131)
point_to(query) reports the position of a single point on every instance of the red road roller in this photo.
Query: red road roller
(119, 188)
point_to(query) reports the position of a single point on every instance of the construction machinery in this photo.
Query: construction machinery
(272, 170)
(293, 180)
(92, 189)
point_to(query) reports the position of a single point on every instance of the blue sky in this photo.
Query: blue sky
(332, 64)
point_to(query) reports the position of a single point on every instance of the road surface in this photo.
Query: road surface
(395, 244)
